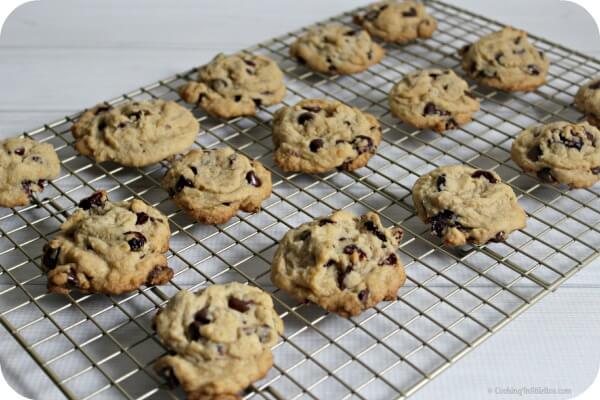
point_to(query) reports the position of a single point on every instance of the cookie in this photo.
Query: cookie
(397, 22)
(212, 185)
(342, 262)
(108, 247)
(316, 136)
(465, 205)
(219, 338)
(235, 85)
(135, 133)
(336, 49)
(435, 99)
(587, 101)
(505, 60)
(25, 166)
(560, 153)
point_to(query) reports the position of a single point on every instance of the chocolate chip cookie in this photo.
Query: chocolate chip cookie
(108, 247)
(219, 338)
(135, 133)
(560, 152)
(235, 85)
(587, 101)
(463, 205)
(316, 136)
(436, 99)
(505, 60)
(397, 22)
(25, 166)
(212, 185)
(342, 262)
(336, 49)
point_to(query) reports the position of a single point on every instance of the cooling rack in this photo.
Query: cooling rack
(98, 347)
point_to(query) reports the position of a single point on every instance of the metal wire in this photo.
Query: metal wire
(104, 347)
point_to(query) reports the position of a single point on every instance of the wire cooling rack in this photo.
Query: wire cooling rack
(94, 346)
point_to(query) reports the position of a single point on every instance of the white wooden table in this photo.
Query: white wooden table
(58, 57)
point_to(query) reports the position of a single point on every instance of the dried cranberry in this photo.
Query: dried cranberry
(95, 200)
(534, 153)
(141, 218)
(329, 263)
(239, 305)
(314, 109)
(545, 174)
(194, 332)
(363, 295)
(26, 185)
(431, 109)
(194, 170)
(252, 179)
(250, 63)
(517, 40)
(595, 85)
(352, 32)
(72, 280)
(362, 144)
(412, 12)
(201, 316)
(533, 69)
(325, 221)
(392, 259)
(157, 275)
(575, 142)
(352, 248)
(451, 124)
(183, 182)
(20, 151)
(257, 102)
(371, 227)
(443, 220)
(440, 182)
(486, 174)
(102, 108)
(596, 170)
(315, 145)
(50, 259)
(137, 242)
(342, 275)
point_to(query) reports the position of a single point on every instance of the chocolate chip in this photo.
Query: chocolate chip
(362, 144)
(412, 12)
(464, 49)
(26, 185)
(590, 137)
(20, 151)
(72, 280)
(533, 69)
(371, 227)
(353, 32)
(304, 235)
(486, 174)
(575, 142)
(325, 221)
(363, 295)
(434, 76)
(183, 182)
(250, 63)
(137, 242)
(102, 108)
(595, 85)
(239, 305)
(257, 102)
(305, 117)
(352, 248)
(315, 145)
(102, 125)
(170, 377)
(142, 218)
(50, 259)
(392, 259)
(36, 159)
(440, 182)
(314, 109)
(451, 124)
(545, 174)
(342, 275)
(329, 263)
(500, 237)
(95, 200)
(534, 153)
(194, 332)
(252, 179)
(431, 109)
(194, 170)
(237, 98)
(41, 183)
(157, 274)
(517, 40)
(443, 220)
(596, 170)
(201, 316)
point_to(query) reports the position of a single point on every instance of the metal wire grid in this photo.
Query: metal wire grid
(103, 347)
